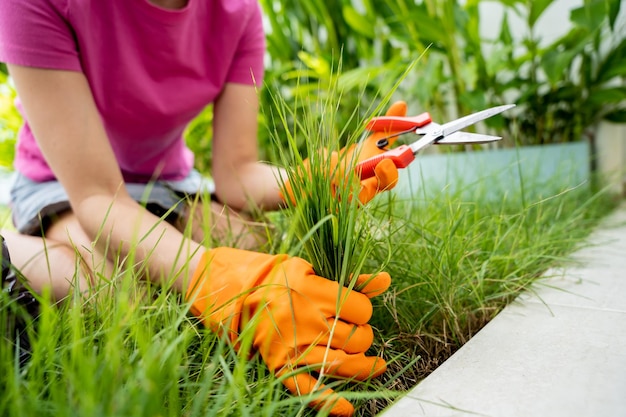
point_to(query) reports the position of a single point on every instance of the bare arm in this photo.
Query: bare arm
(240, 179)
(64, 119)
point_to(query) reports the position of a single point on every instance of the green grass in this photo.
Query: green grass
(324, 225)
(456, 259)
(455, 264)
(132, 350)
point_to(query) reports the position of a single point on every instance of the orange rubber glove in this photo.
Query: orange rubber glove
(297, 319)
(386, 173)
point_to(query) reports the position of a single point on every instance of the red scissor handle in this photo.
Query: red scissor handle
(401, 156)
(398, 123)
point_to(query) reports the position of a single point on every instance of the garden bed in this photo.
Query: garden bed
(457, 256)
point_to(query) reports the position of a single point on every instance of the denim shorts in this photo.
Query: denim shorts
(35, 204)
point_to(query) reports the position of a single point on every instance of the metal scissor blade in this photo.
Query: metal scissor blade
(456, 125)
(467, 138)
(403, 155)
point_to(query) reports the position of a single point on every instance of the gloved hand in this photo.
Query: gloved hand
(297, 319)
(386, 173)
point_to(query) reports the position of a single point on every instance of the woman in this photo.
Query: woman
(106, 89)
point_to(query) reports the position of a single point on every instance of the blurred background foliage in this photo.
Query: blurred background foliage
(10, 120)
(562, 89)
(432, 54)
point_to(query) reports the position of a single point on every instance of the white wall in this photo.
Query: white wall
(553, 23)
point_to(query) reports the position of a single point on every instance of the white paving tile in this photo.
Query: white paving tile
(598, 288)
(531, 361)
(596, 277)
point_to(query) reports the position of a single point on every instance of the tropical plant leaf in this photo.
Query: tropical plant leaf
(590, 15)
(318, 64)
(559, 56)
(566, 93)
(614, 63)
(358, 22)
(617, 116)
(428, 27)
(555, 62)
(606, 96)
(613, 7)
(7, 153)
(513, 3)
(537, 7)
(505, 31)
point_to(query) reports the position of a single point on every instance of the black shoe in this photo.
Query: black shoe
(22, 309)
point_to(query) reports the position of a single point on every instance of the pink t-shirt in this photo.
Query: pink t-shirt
(151, 70)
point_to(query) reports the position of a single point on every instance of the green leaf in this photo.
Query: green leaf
(617, 116)
(512, 3)
(473, 100)
(278, 40)
(319, 65)
(613, 11)
(360, 76)
(577, 37)
(555, 62)
(614, 63)
(608, 96)
(505, 31)
(7, 153)
(537, 7)
(498, 122)
(428, 27)
(567, 93)
(370, 9)
(586, 69)
(617, 69)
(591, 15)
(358, 22)
(559, 56)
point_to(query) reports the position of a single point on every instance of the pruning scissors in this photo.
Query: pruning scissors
(431, 134)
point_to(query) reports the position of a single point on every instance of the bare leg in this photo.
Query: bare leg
(223, 226)
(67, 229)
(47, 264)
(63, 261)
(66, 257)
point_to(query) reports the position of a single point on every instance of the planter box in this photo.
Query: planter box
(542, 170)
(611, 155)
